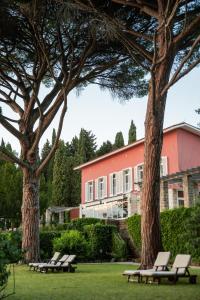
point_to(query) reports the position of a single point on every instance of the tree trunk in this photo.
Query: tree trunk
(30, 216)
(150, 204)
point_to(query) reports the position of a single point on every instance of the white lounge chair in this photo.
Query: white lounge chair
(34, 266)
(179, 269)
(160, 263)
(45, 267)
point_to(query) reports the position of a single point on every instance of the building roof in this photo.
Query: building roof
(182, 125)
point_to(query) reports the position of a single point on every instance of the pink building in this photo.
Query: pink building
(111, 184)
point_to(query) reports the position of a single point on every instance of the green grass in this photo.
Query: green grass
(96, 282)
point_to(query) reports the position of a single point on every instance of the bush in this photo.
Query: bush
(9, 253)
(173, 225)
(71, 242)
(46, 243)
(134, 229)
(78, 224)
(192, 234)
(118, 246)
(99, 238)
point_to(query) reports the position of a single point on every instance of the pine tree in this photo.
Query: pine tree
(87, 145)
(132, 133)
(106, 147)
(60, 186)
(119, 140)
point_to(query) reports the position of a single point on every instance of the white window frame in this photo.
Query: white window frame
(101, 188)
(89, 191)
(113, 187)
(127, 186)
(180, 199)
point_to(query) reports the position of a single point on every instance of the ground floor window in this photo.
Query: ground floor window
(112, 210)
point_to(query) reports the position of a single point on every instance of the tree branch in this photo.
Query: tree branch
(53, 149)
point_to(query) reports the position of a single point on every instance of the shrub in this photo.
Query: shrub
(99, 238)
(78, 224)
(46, 243)
(173, 225)
(9, 253)
(118, 246)
(192, 234)
(134, 229)
(71, 242)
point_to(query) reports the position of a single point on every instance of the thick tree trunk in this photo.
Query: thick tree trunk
(30, 216)
(150, 205)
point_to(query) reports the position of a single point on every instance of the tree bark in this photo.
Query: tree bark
(30, 216)
(150, 204)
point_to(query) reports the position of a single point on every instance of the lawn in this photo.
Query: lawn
(96, 282)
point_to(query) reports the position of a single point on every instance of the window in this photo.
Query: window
(140, 172)
(127, 180)
(101, 187)
(89, 191)
(113, 184)
(180, 198)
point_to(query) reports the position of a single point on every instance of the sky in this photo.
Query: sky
(97, 111)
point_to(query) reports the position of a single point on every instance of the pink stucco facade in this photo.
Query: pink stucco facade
(180, 147)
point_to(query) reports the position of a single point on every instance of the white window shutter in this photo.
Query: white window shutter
(130, 179)
(92, 190)
(96, 189)
(86, 191)
(135, 174)
(136, 186)
(105, 192)
(165, 165)
(120, 182)
(111, 184)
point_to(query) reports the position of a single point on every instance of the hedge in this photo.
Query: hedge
(99, 238)
(173, 227)
(78, 224)
(46, 243)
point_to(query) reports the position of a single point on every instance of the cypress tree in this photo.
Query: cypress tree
(119, 140)
(132, 133)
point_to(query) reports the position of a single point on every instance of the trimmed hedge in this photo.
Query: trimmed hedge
(78, 224)
(173, 227)
(99, 239)
(119, 249)
(46, 243)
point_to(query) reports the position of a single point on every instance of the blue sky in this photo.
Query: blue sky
(97, 111)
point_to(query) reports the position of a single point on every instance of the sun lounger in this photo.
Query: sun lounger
(159, 264)
(45, 267)
(179, 269)
(67, 266)
(53, 260)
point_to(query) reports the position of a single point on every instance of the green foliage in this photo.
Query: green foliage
(134, 229)
(9, 253)
(99, 238)
(132, 133)
(10, 193)
(78, 224)
(119, 140)
(192, 233)
(176, 232)
(71, 242)
(46, 243)
(173, 224)
(118, 246)
(106, 147)
(87, 145)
